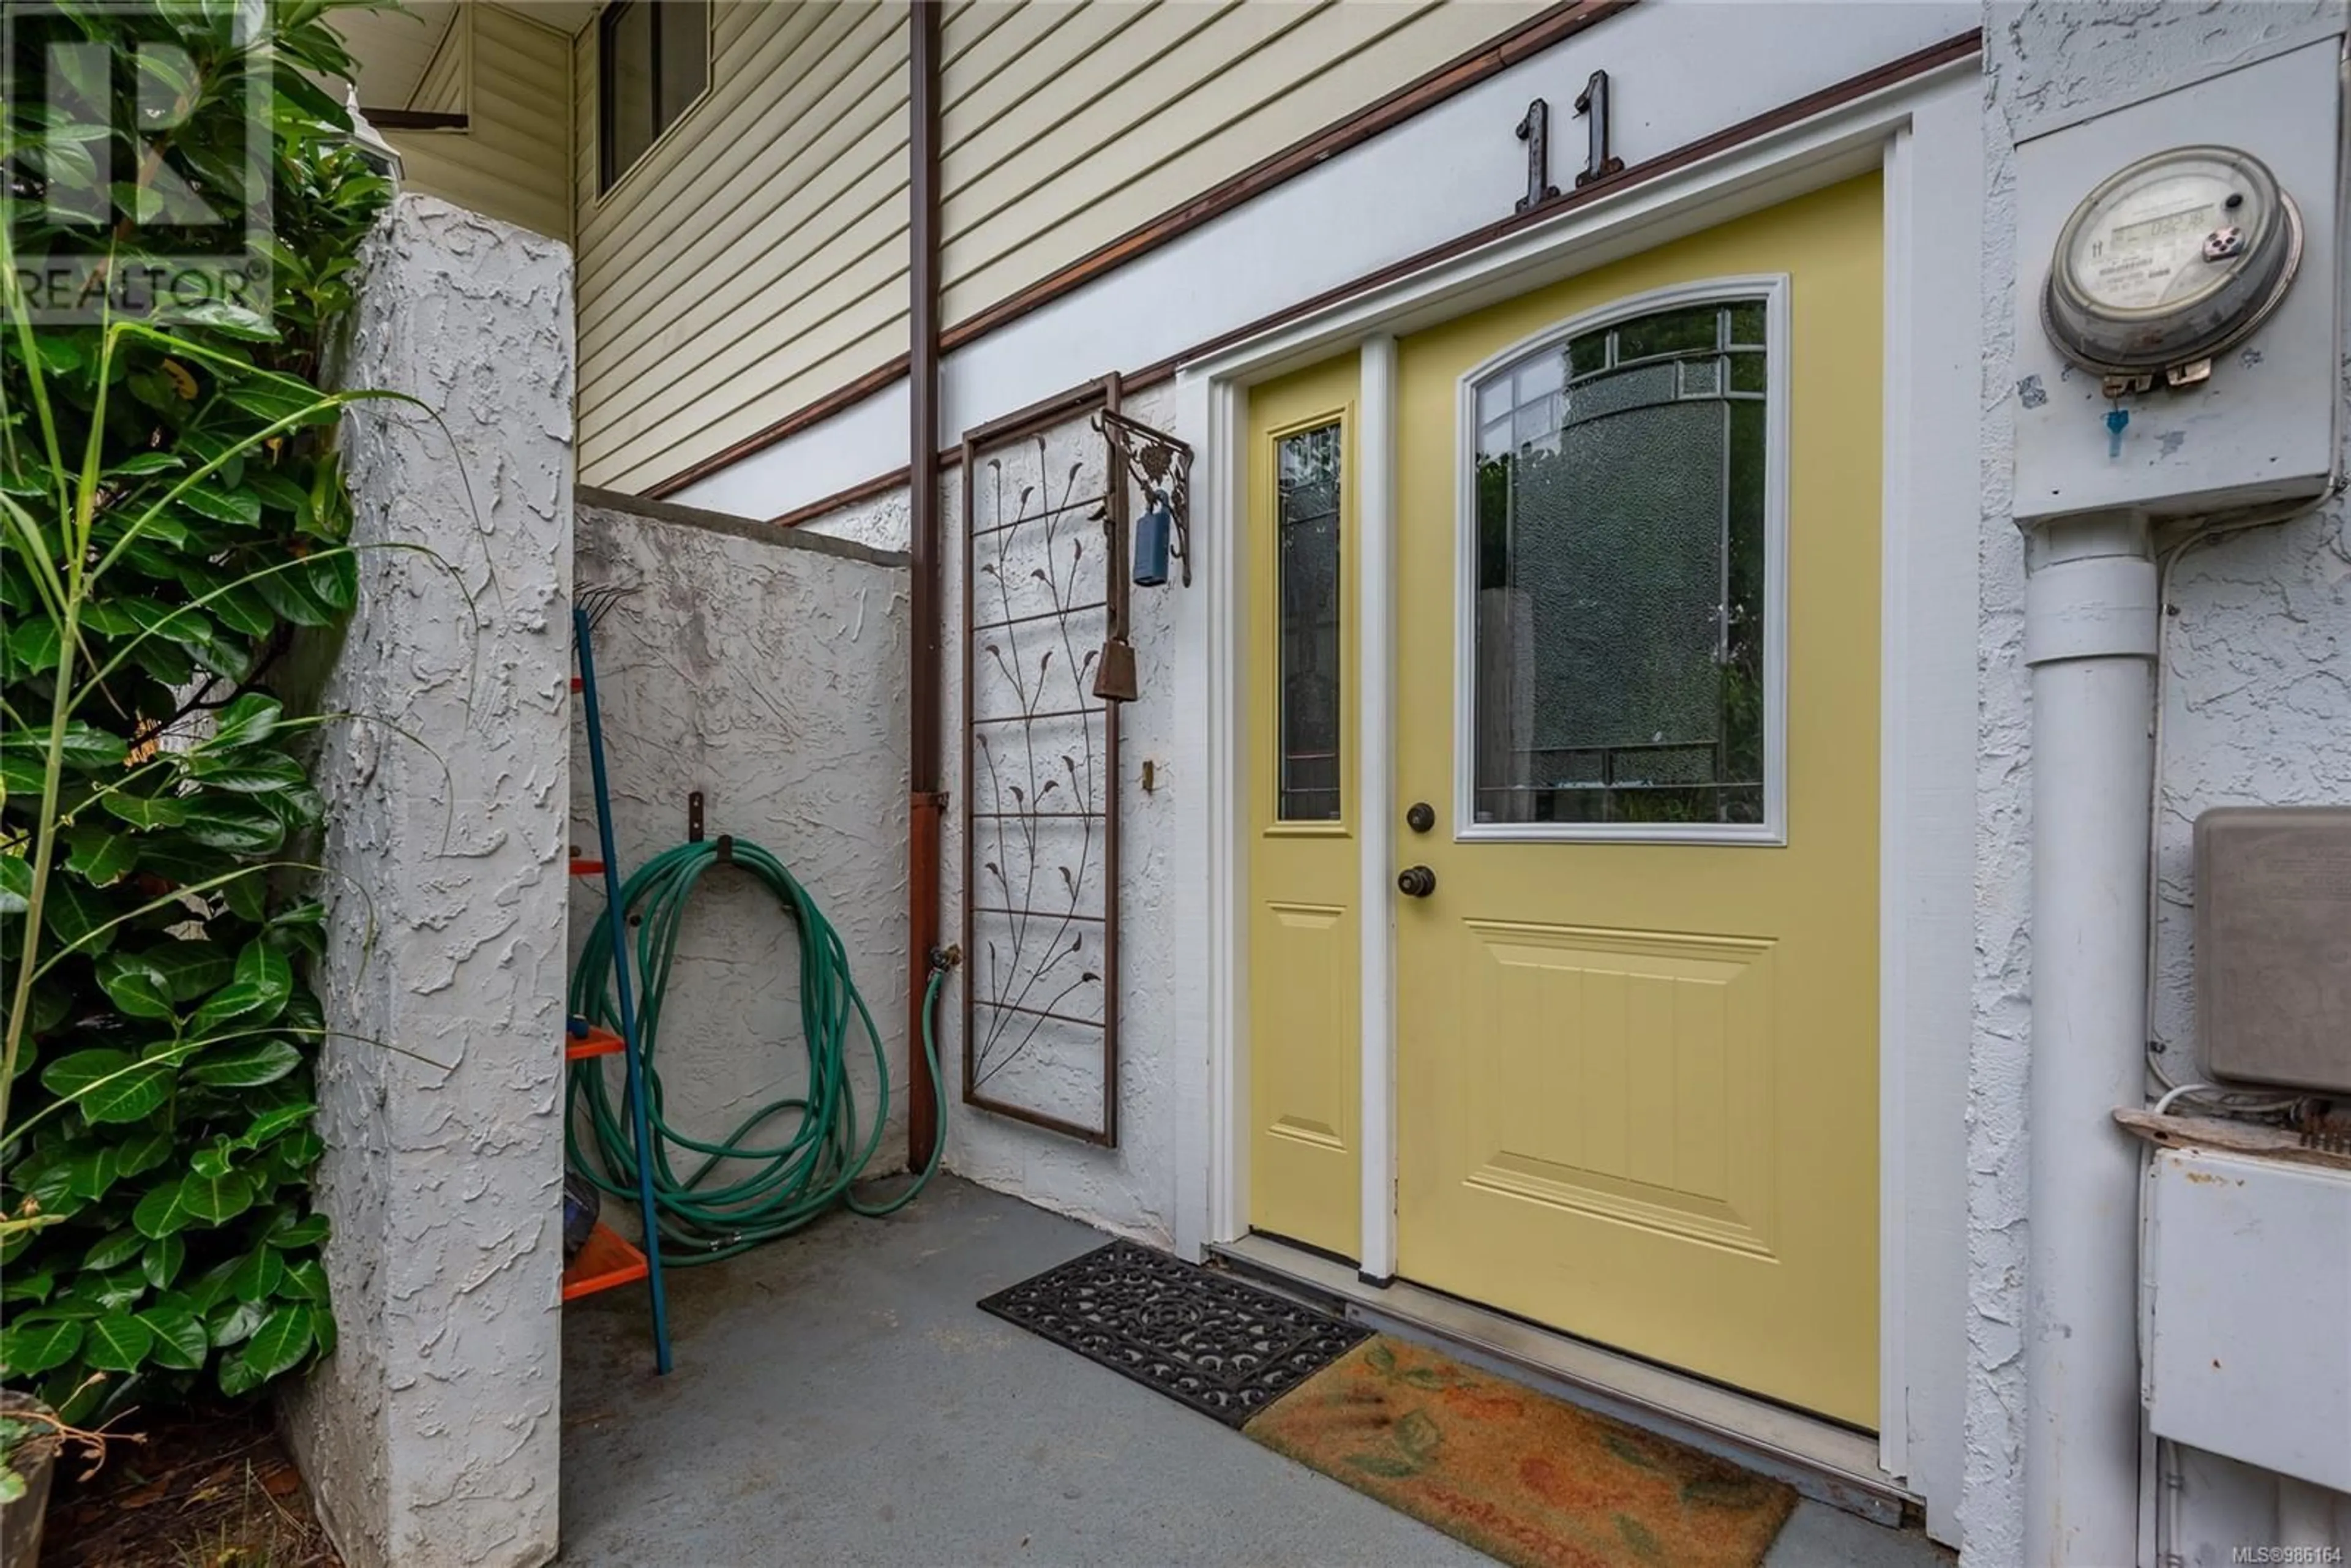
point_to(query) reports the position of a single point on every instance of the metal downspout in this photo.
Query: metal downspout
(925, 803)
(2090, 620)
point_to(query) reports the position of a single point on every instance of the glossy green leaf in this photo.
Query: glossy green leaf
(109, 1085)
(271, 1123)
(190, 969)
(115, 1248)
(162, 1261)
(134, 985)
(27, 1349)
(79, 916)
(213, 1199)
(307, 1231)
(252, 773)
(256, 1276)
(180, 1343)
(263, 980)
(33, 644)
(322, 1328)
(209, 499)
(293, 598)
(141, 1152)
(307, 1279)
(15, 884)
(234, 1320)
(145, 810)
(85, 746)
(117, 1342)
(159, 1214)
(236, 1376)
(248, 720)
(246, 1064)
(248, 897)
(98, 856)
(239, 826)
(90, 1171)
(279, 1345)
(27, 1285)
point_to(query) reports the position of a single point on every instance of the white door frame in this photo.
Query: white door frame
(1924, 136)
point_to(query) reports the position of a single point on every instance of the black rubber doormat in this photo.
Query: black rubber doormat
(1225, 1349)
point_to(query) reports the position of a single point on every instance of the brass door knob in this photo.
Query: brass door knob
(1416, 882)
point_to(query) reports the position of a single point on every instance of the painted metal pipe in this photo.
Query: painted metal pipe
(926, 805)
(2090, 639)
(616, 932)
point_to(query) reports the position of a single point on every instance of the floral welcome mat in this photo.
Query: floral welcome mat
(1517, 1475)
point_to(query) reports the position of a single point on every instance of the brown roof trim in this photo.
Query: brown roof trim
(1531, 37)
(1957, 47)
(865, 490)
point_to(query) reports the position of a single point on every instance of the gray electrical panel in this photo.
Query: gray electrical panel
(2273, 944)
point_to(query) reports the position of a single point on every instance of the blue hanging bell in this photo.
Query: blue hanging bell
(1152, 533)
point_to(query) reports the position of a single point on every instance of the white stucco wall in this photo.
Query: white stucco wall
(430, 1438)
(1130, 1189)
(766, 668)
(2254, 703)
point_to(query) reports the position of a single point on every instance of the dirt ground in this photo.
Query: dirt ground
(204, 1490)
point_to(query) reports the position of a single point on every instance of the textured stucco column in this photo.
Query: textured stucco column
(430, 1436)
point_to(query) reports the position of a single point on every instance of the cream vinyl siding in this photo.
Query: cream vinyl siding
(512, 79)
(756, 258)
(1066, 125)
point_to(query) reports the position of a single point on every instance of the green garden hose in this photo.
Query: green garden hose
(803, 1152)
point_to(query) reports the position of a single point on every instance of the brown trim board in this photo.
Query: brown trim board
(1935, 56)
(1531, 36)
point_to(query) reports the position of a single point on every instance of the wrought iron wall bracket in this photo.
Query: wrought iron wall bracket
(1152, 461)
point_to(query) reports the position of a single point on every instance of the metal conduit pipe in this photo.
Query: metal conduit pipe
(925, 804)
(2090, 625)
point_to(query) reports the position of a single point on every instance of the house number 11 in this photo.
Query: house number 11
(1535, 129)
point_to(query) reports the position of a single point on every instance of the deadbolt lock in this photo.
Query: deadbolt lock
(1420, 816)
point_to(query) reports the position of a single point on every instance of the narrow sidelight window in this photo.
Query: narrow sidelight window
(1620, 660)
(1307, 467)
(653, 59)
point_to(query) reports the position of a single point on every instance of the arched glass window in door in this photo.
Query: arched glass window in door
(1621, 578)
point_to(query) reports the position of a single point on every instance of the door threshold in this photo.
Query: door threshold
(1824, 1461)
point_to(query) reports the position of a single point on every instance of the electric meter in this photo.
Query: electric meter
(2169, 261)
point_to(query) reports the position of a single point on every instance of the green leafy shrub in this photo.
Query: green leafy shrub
(174, 510)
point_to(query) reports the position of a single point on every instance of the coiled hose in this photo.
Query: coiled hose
(808, 1150)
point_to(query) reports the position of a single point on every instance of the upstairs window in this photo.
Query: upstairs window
(653, 59)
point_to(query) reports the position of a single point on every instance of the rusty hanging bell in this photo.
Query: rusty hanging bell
(1114, 671)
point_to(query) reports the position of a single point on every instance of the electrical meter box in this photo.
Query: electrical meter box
(2273, 944)
(2179, 298)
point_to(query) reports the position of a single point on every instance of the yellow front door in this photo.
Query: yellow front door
(1305, 1159)
(1638, 677)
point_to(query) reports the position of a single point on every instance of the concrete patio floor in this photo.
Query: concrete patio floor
(838, 1400)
